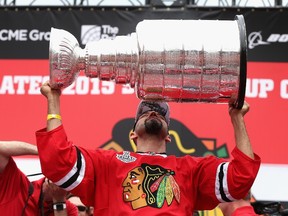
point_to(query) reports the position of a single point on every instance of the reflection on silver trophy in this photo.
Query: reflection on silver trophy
(170, 60)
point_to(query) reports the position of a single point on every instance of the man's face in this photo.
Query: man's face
(152, 123)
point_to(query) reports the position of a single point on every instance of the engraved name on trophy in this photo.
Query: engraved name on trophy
(170, 60)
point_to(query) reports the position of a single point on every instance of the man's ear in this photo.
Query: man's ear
(133, 136)
(168, 138)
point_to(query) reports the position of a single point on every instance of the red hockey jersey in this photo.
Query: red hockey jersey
(245, 210)
(20, 197)
(128, 183)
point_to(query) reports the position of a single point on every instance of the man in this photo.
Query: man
(146, 182)
(19, 196)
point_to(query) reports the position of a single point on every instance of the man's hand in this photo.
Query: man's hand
(235, 112)
(53, 192)
(48, 92)
(53, 99)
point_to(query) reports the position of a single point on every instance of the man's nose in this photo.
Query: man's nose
(153, 113)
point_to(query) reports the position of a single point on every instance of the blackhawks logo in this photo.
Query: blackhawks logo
(149, 185)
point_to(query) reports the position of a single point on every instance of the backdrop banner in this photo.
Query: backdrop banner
(101, 114)
(25, 33)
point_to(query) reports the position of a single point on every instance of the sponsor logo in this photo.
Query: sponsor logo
(94, 32)
(255, 39)
(23, 35)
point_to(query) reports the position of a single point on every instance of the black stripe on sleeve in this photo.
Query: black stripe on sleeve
(73, 178)
(221, 176)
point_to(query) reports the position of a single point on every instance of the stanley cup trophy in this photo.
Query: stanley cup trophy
(169, 60)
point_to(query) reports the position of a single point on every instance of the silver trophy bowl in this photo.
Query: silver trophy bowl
(170, 60)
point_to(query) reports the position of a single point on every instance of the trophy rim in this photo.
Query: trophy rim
(60, 40)
(243, 61)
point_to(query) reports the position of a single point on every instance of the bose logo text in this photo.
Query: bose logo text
(23, 35)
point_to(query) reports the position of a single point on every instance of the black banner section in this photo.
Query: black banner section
(25, 34)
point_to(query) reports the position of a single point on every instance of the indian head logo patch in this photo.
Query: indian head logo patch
(150, 185)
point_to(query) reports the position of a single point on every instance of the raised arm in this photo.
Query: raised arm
(53, 101)
(61, 161)
(14, 148)
(241, 136)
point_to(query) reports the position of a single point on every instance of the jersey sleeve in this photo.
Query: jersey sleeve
(241, 174)
(219, 180)
(63, 163)
(68, 166)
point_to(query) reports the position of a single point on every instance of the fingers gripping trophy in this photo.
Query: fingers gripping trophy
(168, 60)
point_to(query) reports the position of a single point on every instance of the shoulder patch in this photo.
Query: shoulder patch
(125, 157)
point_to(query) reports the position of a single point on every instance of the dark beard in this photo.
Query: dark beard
(153, 126)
